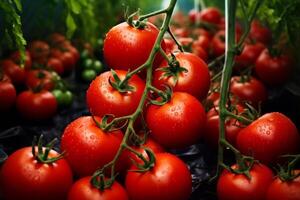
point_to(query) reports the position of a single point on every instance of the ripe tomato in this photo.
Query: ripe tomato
(56, 65)
(15, 72)
(212, 15)
(249, 55)
(15, 56)
(131, 45)
(84, 190)
(195, 81)
(287, 190)
(237, 186)
(87, 147)
(7, 95)
(39, 78)
(23, 177)
(183, 119)
(56, 39)
(170, 45)
(199, 51)
(169, 179)
(36, 106)
(251, 90)
(68, 61)
(269, 137)
(260, 33)
(103, 99)
(203, 41)
(193, 15)
(273, 70)
(39, 50)
(211, 133)
(218, 43)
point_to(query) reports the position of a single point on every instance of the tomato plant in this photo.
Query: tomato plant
(175, 183)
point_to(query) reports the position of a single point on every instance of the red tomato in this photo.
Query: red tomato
(260, 33)
(16, 58)
(237, 186)
(195, 81)
(103, 99)
(212, 15)
(83, 190)
(68, 61)
(249, 55)
(56, 39)
(132, 46)
(74, 52)
(251, 90)
(218, 43)
(169, 179)
(15, 72)
(199, 51)
(180, 32)
(39, 50)
(170, 45)
(193, 15)
(186, 42)
(87, 147)
(7, 95)
(183, 119)
(39, 78)
(273, 70)
(287, 190)
(23, 177)
(56, 53)
(203, 41)
(213, 99)
(211, 133)
(36, 106)
(269, 137)
(56, 65)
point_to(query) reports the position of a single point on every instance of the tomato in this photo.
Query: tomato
(170, 45)
(84, 190)
(15, 72)
(15, 56)
(131, 45)
(269, 137)
(23, 177)
(183, 119)
(211, 15)
(87, 147)
(63, 98)
(260, 33)
(56, 39)
(36, 106)
(195, 81)
(251, 90)
(249, 55)
(197, 32)
(68, 61)
(232, 128)
(237, 186)
(169, 179)
(273, 70)
(218, 43)
(7, 95)
(88, 75)
(186, 42)
(203, 41)
(193, 15)
(39, 50)
(287, 190)
(180, 32)
(103, 99)
(199, 51)
(56, 53)
(39, 78)
(56, 65)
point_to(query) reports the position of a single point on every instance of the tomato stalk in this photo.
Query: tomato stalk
(99, 174)
(288, 173)
(175, 40)
(231, 49)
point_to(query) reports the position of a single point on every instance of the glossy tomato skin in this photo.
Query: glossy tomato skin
(183, 119)
(7, 95)
(169, 179)
(251, 90)
(87, 147)
(68, 61)
(36, 106)
(211, 15)
(39, 78)
(103, 99)
(195, 81)
(269, 137)
(126, 47)
(83, 190)
(15, 56)
(273, 70)
(211, 134)
(237, 186)
(203, 41)
(249, 55)
(15, 72)
(23, 177)
(287, 190)
(260, 33)
(218, 43)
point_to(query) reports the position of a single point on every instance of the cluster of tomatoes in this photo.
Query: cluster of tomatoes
(36, 87)
(180, 109)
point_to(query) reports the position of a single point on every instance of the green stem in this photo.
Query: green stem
(241, 119)
(148, 64)
(216, 61)
(163, 53)
(175, 40)
(142, 17)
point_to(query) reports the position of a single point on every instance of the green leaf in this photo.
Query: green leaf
(71, 25)
(18, 5)
(74, 5)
